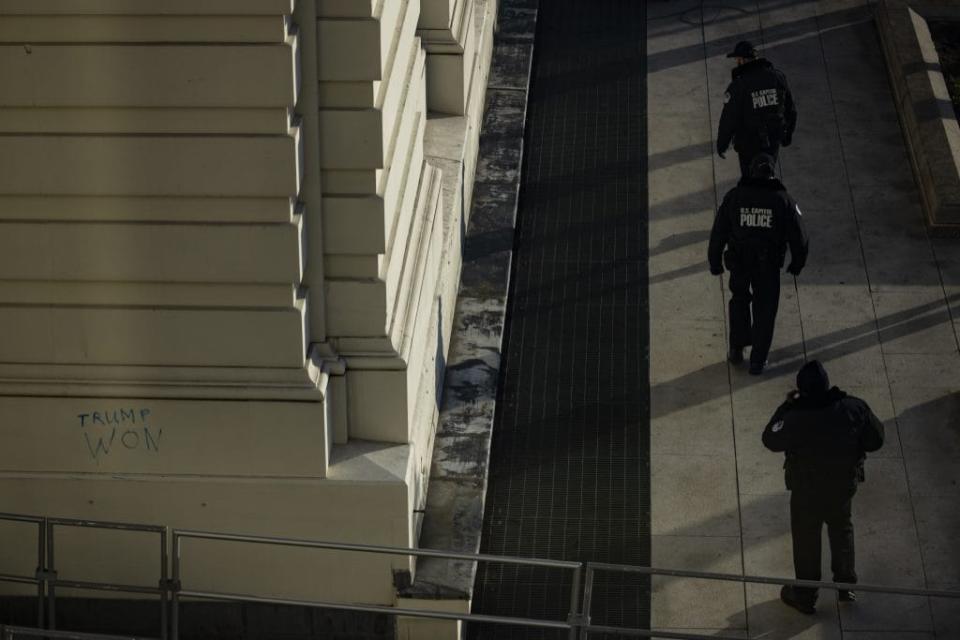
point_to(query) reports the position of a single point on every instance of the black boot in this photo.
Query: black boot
(800, 603)
(756, 368)
(845, 595)
(735, 355)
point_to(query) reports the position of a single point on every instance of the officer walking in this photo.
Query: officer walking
(758, 110)
(756, 222)
(825, 434)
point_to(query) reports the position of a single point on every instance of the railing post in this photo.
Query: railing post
(587, 601)
(574, 616)
(175, 589)
(51, 575)
(41, 570)
(164, 584)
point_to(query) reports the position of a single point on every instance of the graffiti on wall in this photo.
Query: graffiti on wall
(114, 430)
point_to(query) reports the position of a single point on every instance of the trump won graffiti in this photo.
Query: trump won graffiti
(114, 430)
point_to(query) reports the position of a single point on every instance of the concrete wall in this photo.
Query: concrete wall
(927, 117)
(452, 45)
(228, 267)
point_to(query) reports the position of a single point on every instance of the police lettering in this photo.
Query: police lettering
(756, 217)
(764, 98)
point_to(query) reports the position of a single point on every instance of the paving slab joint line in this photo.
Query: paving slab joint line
(453, 521)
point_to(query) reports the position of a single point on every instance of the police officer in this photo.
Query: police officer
(825, 434)
(756, 222)
(758, 110)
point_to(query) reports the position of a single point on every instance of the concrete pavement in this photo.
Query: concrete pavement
(877, 304)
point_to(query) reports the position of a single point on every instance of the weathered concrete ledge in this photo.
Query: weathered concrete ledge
(926, 112)
(455, 500)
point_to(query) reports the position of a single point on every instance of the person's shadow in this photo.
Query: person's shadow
(773, 620)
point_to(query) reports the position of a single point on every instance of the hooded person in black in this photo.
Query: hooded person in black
(758, 110)
(756, 223)
(825, 434)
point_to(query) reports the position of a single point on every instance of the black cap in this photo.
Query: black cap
(744, 49)
(763, 165)
(812, 379)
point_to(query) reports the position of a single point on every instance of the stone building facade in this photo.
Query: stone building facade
(229, 254)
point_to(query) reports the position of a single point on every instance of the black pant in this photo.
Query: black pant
(746, 151)
(753, 309)
(809, 510)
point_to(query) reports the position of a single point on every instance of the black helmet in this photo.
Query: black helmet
(744, 49)
(763, 165)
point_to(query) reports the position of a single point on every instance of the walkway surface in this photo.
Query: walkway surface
(569, 470)
(876, 304)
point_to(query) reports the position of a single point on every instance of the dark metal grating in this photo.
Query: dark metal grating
(569, 472)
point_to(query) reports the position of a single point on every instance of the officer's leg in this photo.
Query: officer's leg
(806, 524)
(766, 301)
(746, 154)
(740, 298)
(840, 530)
(774, 150)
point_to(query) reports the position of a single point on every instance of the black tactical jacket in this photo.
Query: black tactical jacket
(757, 221)
(825, 438)
(757, 106)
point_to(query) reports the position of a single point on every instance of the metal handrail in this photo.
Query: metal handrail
(370, 548)
(819, 584)
(19, 517)
(162, 589)
(572, 623)
(592, 567)
(9, 632)
(170, 591)
(395, 611)
(647, 633)
(39, 576)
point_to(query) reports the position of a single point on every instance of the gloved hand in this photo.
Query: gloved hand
(717, 271)
(794, 269)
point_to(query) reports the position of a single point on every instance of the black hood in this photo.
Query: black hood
(750, 67)
(814, 385)
(812, 379)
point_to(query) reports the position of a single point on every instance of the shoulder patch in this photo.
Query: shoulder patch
(726, 97)
(777, 426)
